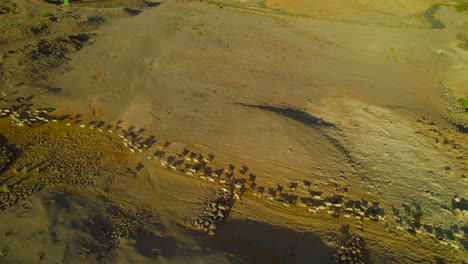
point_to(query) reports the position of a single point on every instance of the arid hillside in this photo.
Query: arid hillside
(233, 132)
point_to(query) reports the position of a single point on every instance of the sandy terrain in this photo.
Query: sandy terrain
(126, 126)
(383, 12)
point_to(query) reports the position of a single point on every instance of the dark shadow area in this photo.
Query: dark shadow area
(44, 88)
(462, 128)
(152, 4)
(8, 153)
(96, 19)
(3, 140)
(259, 242)
(61, 200)
(219, 172)
(154, 246)
(132, 12)
(166, 144)
(211, 157)
(295, 114)
(459, 203)
(139, 167)
(244, 169)
(183, 153)
(429, 15)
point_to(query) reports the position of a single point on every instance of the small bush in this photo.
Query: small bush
(45, 15)
(462, 6)
(7, 7)
(464, 103)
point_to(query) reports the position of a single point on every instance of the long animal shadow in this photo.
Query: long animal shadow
(295, 114)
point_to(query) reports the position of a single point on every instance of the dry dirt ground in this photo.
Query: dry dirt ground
(233, 132)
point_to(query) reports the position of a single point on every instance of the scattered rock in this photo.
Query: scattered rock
(212, 211)
(351, 248)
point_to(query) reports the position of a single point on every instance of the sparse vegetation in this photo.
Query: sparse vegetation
(45, 15)
(261, 7)
(463, 38)
(464, 103)
(7, 7)
(462, 6)
(339, 125)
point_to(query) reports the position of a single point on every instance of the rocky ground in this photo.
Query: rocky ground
(232, 132)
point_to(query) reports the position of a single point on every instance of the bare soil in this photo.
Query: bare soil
(233, 132)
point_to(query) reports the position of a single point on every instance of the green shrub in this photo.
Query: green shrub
(462, 6)
(7, 7)
(45, 15)
(464, 103)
